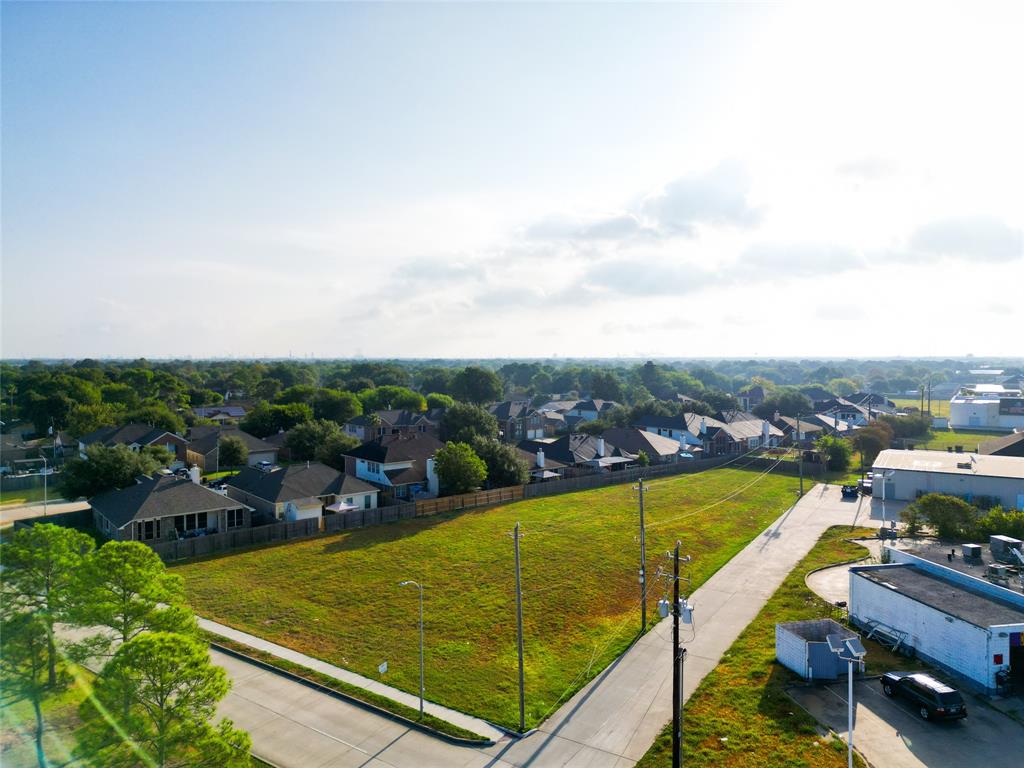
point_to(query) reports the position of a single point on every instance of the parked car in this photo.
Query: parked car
(934, 699)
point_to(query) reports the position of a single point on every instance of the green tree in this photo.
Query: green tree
(304, 440)
(842, 386)
(159, 415)
(505, 465)
(949, 516)
(391, 397)
(40, 564)
(200, 397)
(911, 515)
(232, 451)
(336, 405)
(266, 389)
(605, 385)
(786, 401)
(871, 440)
(105, 468)
(476, 385)
(266, 419)
(437, 400)
(332, 451)
(463, 421)
(299, 393)
(459, 469)
(125, 588)
(24, 644)
(643, 459)
(837, 452)
(83, 419)
(172, 689)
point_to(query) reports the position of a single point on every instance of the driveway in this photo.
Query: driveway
(890, 734)
(610, 722)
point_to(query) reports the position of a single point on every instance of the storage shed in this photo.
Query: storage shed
(801, 647)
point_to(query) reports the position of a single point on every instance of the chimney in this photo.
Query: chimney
(600, 447)
(540, 458)
(703, 426)
(193, 473)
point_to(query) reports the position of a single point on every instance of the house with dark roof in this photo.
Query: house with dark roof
(220, 413)
(517, 420)
(370, 426)
(1007, 445)
(204, 447)
(700, 436)
(751, 398)
(749, 431)
(591, 410)
(540, 466)
(166, 507)
(630, 441)
(872, 401)
(808, 430)
(300, 491)
(852, 413)
(401, 465)
(136, 436)
(580, 451)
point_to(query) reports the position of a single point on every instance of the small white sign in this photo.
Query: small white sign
(383, 667)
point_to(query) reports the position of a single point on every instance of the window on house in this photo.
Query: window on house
(190, 522)
(236, 518)
(147, 530)
(366, 501)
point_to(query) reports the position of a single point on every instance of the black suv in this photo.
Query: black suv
(934, 699)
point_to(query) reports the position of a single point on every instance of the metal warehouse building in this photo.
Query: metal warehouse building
(909, 474)
(956, 621)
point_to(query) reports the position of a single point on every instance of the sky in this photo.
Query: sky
(522, 180)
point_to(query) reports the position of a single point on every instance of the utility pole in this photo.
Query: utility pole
(519, 624)
(677, 688)
(643, 560)
(800, 455)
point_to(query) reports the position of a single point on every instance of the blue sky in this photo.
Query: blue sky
(500, 180)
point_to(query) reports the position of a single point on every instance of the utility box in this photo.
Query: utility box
(801, 646)
(971, 551)
(1000, 547)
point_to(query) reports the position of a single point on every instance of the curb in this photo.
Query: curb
(457, 740)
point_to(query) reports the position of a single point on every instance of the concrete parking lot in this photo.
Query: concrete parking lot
(890, 734)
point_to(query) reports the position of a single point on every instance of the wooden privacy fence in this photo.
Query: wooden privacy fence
(361, 518)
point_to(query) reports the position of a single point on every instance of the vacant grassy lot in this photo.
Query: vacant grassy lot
(940, 406)
(27, 495)
(940, 439)
(337, 597)
(740, 715)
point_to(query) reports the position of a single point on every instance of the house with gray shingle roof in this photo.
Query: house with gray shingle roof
(135, 436)
(300, 491)
(166, 507)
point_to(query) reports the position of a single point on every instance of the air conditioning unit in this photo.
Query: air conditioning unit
(999, 572)
(971, 551)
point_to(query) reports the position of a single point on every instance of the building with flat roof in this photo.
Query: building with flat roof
(910, 474)
(987, 407)
(954, 620)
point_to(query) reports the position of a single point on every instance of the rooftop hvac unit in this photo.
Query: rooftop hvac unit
(959, 449)
(999, 572)
(1000, 547)
(971, 551)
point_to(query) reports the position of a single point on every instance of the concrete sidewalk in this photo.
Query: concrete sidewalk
(615, 718)
(474, 724)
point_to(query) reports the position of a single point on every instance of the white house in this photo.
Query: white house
(401, 465)
(300, 491)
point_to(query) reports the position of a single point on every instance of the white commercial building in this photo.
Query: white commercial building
(910, 474)
(963, 624)
(987, 407)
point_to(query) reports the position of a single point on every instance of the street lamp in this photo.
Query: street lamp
(855, 652)
(420, 588)
(885, 476)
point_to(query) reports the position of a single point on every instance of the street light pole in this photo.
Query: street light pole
(45, 478)
(849, 712)
(420, 588)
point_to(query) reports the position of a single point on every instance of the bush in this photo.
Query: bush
(837, 452)
(459, 469)
(1000, 521)
(952, 518)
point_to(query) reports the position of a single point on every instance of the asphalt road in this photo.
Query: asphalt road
(13, 512)
(890, 733)
(609, 723)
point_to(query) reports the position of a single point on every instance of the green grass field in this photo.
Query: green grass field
(28, 495)
(743, 701)
(940, 406)
(940, 439)
(337, 597)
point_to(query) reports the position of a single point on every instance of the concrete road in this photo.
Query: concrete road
(833, 584)
(890, 733)
(611, 722)
(13, 512)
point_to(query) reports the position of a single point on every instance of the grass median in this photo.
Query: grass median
(740, 714)
(337, 597)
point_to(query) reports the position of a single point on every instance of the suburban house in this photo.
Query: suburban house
(580, 451)
(370, 426)
(300, 491)
(832, 424)
(220, 413)
(517, 420)
(552, 422)
(591, 410)
(871, 401)
(540, 465)
(752, 398)
(809, 431)
(749, 431)
(855, 414)
(166, 507)
(401, 465)
(630, 441)
(136, 437)
(698, 435)
(204, 447)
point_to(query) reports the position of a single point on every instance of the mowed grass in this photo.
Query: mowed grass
(940, 406)
(740, 714)
(337, 597)
(27, 495)
(940, 439)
